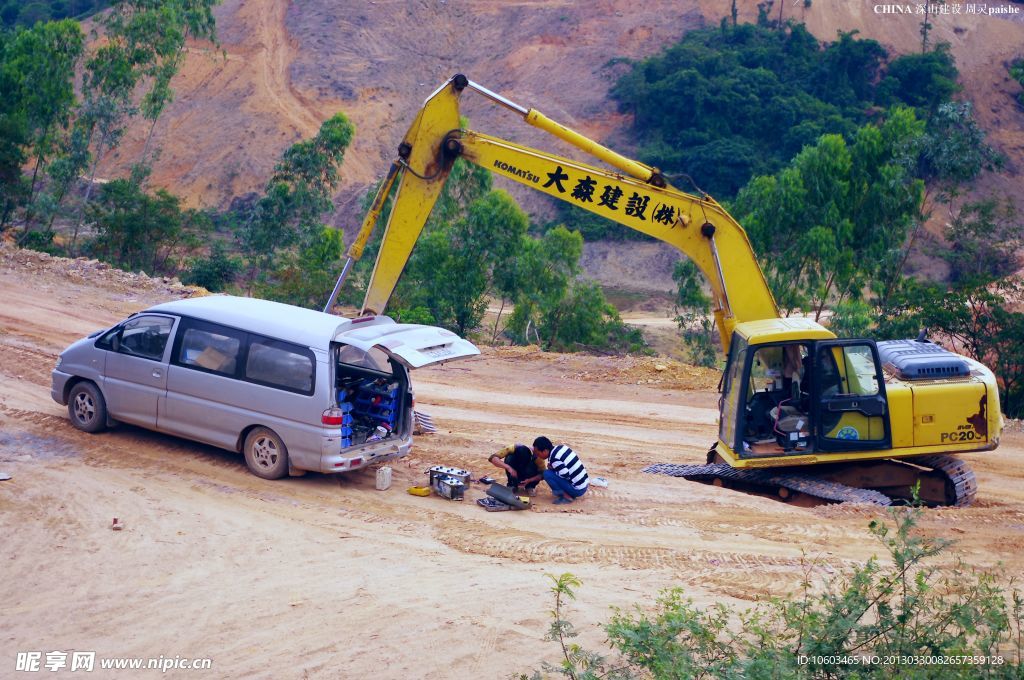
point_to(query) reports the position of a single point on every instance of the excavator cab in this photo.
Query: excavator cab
(798, 397)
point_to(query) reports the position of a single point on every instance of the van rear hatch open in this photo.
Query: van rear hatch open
(412, 345)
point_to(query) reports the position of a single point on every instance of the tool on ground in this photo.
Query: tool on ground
(507, 496)
(492, 504)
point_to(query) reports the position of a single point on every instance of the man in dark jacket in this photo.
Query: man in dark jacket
(521, 466)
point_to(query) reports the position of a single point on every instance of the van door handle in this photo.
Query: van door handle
(157, 373)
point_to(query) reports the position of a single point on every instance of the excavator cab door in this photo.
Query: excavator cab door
(851, 412)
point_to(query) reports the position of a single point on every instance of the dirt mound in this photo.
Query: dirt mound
(82, 270)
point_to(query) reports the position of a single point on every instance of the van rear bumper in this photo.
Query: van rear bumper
(354, 458)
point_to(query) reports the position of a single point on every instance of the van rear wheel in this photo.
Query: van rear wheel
(87, 408)
(265, 454)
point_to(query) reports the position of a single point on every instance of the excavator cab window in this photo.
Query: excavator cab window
(777, 418)
(851, 409)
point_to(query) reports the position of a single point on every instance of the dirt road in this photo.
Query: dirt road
(324, 576)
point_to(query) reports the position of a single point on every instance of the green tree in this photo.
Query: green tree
(693, 307)
(724, 105)
(164, 27)
(37, 68)
(974, 310)
(1016, 70)
(19, 13)
(852, 318)
(466, 183)
(13, 138)
(290, 212)
(826, 224)
(584, 320)
(453, 270)
(984, 238)
(547, 266)
(924, 81)
(140, 232)
(141, 51)
(302, 275)
(953, 150)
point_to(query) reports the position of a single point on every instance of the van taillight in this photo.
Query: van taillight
(333, 417)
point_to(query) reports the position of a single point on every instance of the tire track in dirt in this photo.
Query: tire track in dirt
(479, 538)
(204, 469)
(24, 363)
(272, 59)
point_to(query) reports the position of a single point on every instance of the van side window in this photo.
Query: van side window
(212, 348)
(280, 364)
(146, 336)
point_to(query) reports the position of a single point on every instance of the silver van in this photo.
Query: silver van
(290, 388)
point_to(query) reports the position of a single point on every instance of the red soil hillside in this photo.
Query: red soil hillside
(286, 66)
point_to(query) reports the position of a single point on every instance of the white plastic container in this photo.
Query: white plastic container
(383, 478)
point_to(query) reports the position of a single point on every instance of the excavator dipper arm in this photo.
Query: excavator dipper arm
(633, 194)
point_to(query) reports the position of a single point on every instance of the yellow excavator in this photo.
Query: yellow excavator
(800, 410)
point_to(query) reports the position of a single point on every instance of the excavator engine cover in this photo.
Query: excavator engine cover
(913, 360)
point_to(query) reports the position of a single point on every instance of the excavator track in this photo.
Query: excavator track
(767, 479)
(959, 474)
(955, 476)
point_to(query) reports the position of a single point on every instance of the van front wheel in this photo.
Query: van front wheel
(87, 408)
(265, 454)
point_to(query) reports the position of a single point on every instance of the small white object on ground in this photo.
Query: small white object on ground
(4, 476)
(599, 481)
(116, 526)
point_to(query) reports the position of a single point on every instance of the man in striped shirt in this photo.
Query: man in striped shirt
(565, 474)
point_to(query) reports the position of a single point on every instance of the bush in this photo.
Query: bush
(1017, 73)
(137, 231)
(921, 80)
(886, 615)
(214, 272)
(584, 320)
(693, 314)
(41, 241)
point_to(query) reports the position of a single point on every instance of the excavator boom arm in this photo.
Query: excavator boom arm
(637, 197)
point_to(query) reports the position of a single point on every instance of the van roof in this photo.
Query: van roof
(283, 322)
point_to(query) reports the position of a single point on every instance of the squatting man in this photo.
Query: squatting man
(557, 465)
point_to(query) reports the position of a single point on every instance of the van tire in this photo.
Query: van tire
(87, 408)
(265, 454)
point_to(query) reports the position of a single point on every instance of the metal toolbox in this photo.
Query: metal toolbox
(450, 488)
(445, 471)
